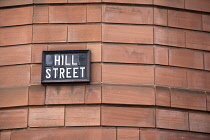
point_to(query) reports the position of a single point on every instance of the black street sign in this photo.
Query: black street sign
(66, 66)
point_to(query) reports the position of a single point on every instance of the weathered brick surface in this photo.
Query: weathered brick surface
(95, 49)
(161, 55)
(127, 116)
(36, 74)
(46, 116)
(5, 135)
(200, 5)
(23, 15)
(13, 118)
(37, 95)
(170, 3)
(160, 16)
(208, 101)
(93, 94)
(50, 1)
(128, 134)
(205, 22)
(36, 52)
(41, 14)
(128, 95)
(4, 3)
(95, 74)
(163, 96)
(13, 97)
(77, 46)
(82, 116)
(94, 13)
(128, 1)
(84, 1)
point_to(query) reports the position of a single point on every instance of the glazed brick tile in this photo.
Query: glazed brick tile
(169, 36)
(15, 35)
(198, 80)
(167, 76)
(161, 55)
(49, 33)
(128, 134)
(186, 58)
(199, 122)
(95, 74)
(36, 56)
(14, 76)
(95, 49)
(5, 135)
(187, 20)
(10, 97)
(127, 14)
(160, 16)
(129, 1)
(94, 13)
(82, 115)
(127, 34)
(170, 3)
(50, 1)
(46, 116)
(75, 133)
(188, 99)
(65, 94)
(37, 95)
(172, 119)
(198, 40)
(5, 3)
(127, 53)
(77, 46)
(67, 14)
(156, 134)
(200, 5)
(84, 33)
(163, 96)
(36, 74)
(206, 21)
(23, 15)
(13, 118)
(93, 94)
(15, 55)
(41, 14)
(127, 116)
(127, 74)
(128, 95)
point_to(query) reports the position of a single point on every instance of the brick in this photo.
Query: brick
(93, 94)
(37, 95)
(65, 94)
(127, 116)
(50, 1)
(15, 55)
(160, 16)
(185, 98)
(95, 49)
(127, 14)
(37, 49)
(128, 53)
(129, 1)
(41, 14)
(49, 33)
(205, 22)
(163, 96)
(128, 74)
(127, 134)
(84, 33)
(172, 119)
(166, 76)
(198, 80)
(15, 35)
(161, 55)
(127, 34)
(67, 14)
(75, 133)
(200, 5)
(77, 46)
(4, 3)
(5, 135)
(14, 76)
(13, 118)
(82, 116)
(36, 74)
(23, 15)
(199, 122)
(198, 40)
(84, 1)
(128, 95)
(94, 13)
(186, 58)
(187, 20)
(170, 3)
(208, 101)
(46, 116)
(13, 97)
(95, 75)
(169, 36)
(156, 134)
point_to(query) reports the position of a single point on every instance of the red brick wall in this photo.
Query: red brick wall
(150, 70)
